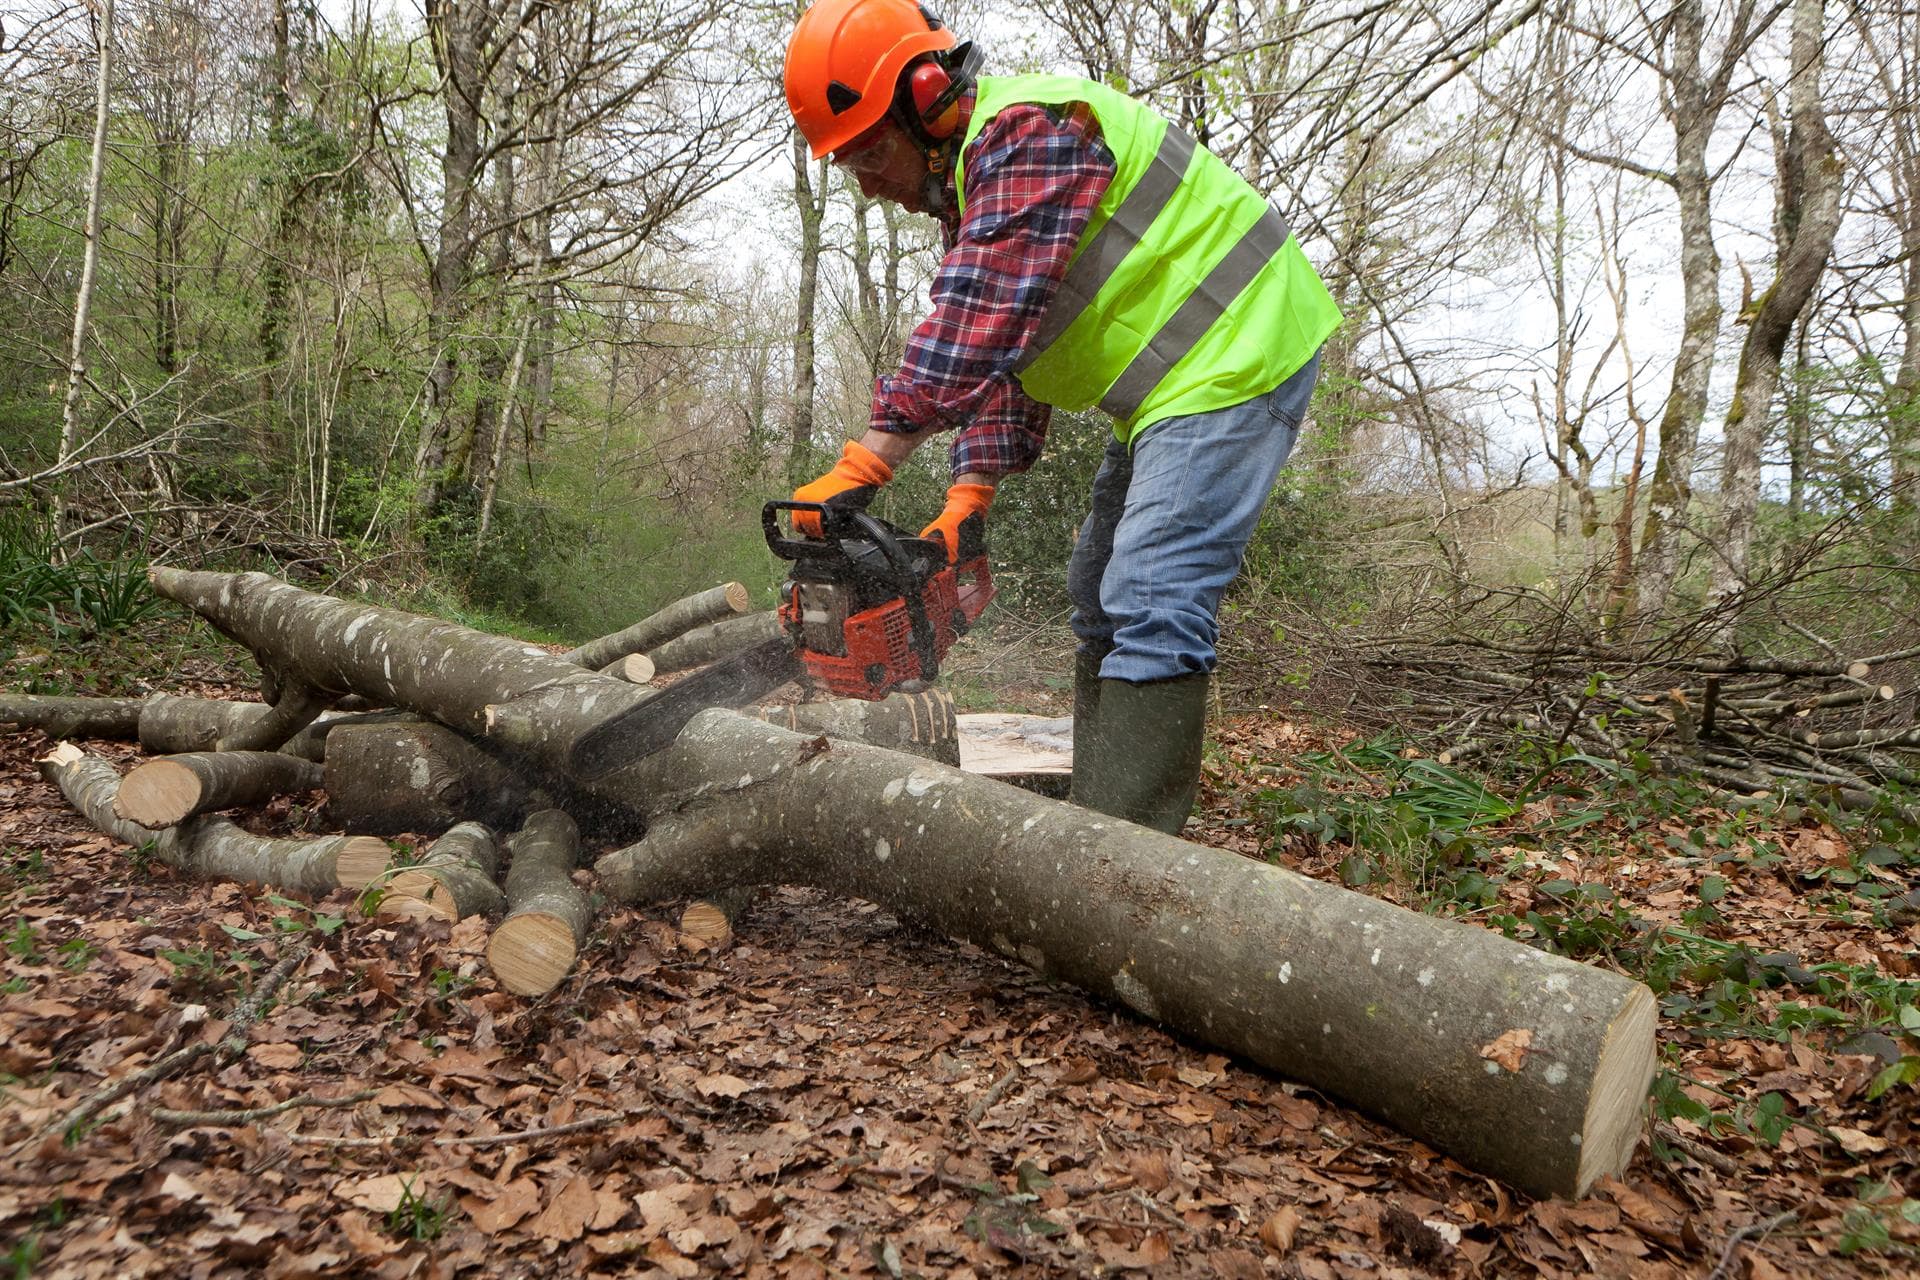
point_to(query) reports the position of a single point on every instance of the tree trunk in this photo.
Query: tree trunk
(1808, 220)
(1520, 1064)
(656, 629)
(165, 792)
(73, 717)
(457, 878)
(810, 202)
(533, 949)
(90, 232)
(715, 641)
(205, 848)
(383, 779)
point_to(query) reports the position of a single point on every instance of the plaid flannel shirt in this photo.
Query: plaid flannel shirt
(1034, 178)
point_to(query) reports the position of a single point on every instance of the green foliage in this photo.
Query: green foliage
(80, 596)
(417, 1218)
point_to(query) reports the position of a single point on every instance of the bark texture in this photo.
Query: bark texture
(415, 775)
(161, 793)
(204, 848)
(920, 724)
(533, 949)
(449, 672)
(678, 618)
(716, 641)
(1400, 1014)
(117, 718)
(171, 725)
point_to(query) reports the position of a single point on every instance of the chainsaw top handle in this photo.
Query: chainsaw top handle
(836, 523)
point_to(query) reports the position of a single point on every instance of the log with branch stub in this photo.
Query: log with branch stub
(174, 725)
(715, 642)
(167, 791)
(204, 848)
(533, 949)
(458, 877)
(1520, 1064)
(57, 717)
(297, 706)
(678, 618)
(458, 676)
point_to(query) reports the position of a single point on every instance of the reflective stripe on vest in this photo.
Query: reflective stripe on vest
(1186, 293)
(1119, 237)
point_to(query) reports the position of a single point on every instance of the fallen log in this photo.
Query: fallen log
(678, 618)
(417, 776)
(164, 792)
(58, 717)
(715, 641)
(458, 877)
(174, 725)
(533, 949)
(920, 724)
(1520, 1064)
(203, 848)
(635, 668)
(449, 672)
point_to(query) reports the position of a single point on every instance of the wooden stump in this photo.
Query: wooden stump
(533, 950)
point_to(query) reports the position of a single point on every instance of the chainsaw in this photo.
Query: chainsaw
(866, 610)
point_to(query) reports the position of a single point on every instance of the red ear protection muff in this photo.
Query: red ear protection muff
(934, 101)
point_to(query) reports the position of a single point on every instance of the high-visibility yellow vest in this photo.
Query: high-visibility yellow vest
(1187, 292)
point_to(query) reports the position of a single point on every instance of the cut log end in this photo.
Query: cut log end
(1617, 1102)
(1859, 670)
(430, 898)
(532, 953)
(707, 922)
(635, 668)
(737, 597)
(362, 861)
(158, 794)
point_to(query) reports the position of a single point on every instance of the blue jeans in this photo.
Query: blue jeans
(1170, 522)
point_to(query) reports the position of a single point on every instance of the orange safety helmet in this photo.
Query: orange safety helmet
(844, 61)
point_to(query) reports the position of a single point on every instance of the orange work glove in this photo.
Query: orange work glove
(852, 483)
(963, 500)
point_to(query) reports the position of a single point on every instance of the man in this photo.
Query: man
(1095, 256)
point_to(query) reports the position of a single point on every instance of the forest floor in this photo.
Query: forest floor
(838, 1093)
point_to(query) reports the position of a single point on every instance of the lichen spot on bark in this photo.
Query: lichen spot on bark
(882, 850)
(1285, 973)
(1376, 958)
(353, 629)
(1424, 977)
(1134, 994)
(419, 774)
(1556, 1074)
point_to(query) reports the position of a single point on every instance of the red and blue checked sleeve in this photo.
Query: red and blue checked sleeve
(1034, 178)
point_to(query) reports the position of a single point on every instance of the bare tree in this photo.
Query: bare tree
(1806, 218)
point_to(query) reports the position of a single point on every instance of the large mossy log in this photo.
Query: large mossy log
(167, 791)
(678, 618)
(60, 717)
(1520, 1064)
(204, 848)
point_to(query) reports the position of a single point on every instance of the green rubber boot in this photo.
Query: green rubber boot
(1138, 756)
